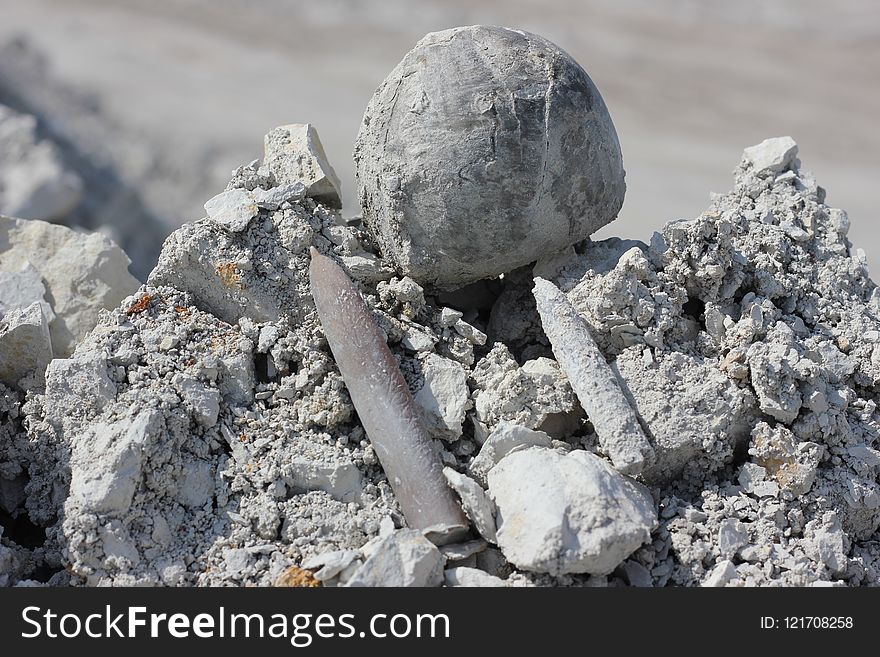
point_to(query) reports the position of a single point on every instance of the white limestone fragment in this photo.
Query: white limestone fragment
(753, 479)
(772, 155)
(232, 209)
(271, 199)
(501, 442)
(76, 386)
(366, 267)
(456, 552)
(473, 334)
(22, 288)
(569, 513)
(732, 535)
(106, 465)
(83, 274)
(405, 558)
(330, 564)
(693, 413)
(336, 476)
(444, 396)
(202, 400)
(477, 506)
(536, 395)
(449, 317)
(721, 574)
(471, 577)
(827, 543)
(25, 346)
(593, 380)
(294, 154)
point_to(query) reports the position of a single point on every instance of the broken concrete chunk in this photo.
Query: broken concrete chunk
(25, 345)
(501, 442)
(569, 513)
(405, 558)
(232, 209)
(477, 507)
(444, 396)
(471, 577)
(294, 154)
(83, 274)
(772, 155)
(593, 380)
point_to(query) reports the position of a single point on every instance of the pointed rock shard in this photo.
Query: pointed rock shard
(383, 401)
(620, 434)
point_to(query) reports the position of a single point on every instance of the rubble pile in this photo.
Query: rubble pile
(700, 410)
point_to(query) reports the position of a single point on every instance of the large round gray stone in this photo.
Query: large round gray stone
(484, 149)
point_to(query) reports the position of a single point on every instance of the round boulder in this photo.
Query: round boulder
(484, 149)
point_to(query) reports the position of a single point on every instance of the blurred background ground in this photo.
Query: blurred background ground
(170, 95)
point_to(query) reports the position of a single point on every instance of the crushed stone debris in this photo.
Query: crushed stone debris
(196, 430)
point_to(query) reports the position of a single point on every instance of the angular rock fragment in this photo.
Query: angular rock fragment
(25, 345)
(294, 154)
(83, 274)
(217, 267)
(444, 396)
(107, 485)
(596, 385)
(568, 513)
(791, 464)
(477, 506)
(77, 387)
(694, 414)
(330, 564)
(471, 577)
(21, 289)
(404, 558)
(232, 209)
(506, 438)
(536, 395)
(772, 155)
